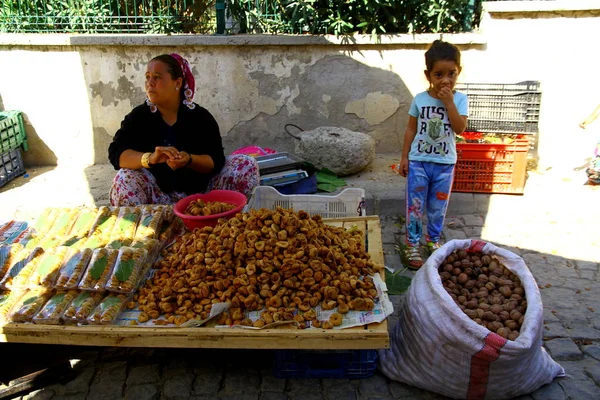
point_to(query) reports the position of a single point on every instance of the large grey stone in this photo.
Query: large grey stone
(178, 387)
(208, 380)
(593, 371)
(240, 381)
(579, 389)
(340, 150)
(106, 390)
(592, 350)
(551, 391)
(301, 389)
(113, 372)
(81, 383)
(374, 386)
(563, 349)
(142, 392)
(143, 374)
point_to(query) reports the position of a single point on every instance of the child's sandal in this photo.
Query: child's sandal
(413, 257)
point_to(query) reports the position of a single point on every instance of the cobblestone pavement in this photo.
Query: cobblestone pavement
(555, 230)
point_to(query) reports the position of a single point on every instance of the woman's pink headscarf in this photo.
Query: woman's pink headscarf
(189, 83)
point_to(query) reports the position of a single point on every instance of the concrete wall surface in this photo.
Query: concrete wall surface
(75, 89)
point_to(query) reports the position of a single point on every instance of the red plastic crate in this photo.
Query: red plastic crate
(491, 168)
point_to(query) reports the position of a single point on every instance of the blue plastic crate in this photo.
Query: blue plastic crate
(349, 364)
(11, 166)
(12, 131)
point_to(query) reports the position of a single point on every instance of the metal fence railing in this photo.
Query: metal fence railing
(251, 16)
(107, 16)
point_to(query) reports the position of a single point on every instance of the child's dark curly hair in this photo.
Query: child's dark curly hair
(440, 50)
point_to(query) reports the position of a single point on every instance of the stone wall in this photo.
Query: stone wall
(75, 89)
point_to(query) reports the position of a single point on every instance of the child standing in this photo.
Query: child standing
(429, 152)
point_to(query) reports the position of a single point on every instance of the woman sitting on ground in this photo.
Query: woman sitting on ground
(170, 147)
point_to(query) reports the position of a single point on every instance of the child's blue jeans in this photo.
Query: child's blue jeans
(428, 188)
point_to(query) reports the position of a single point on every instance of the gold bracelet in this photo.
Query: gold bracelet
(146, 160)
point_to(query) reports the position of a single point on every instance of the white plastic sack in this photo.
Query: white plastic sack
(436, 347)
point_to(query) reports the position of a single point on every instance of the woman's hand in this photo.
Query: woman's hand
(181, 162)
(164, 154)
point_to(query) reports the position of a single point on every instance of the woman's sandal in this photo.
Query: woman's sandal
(413, 257)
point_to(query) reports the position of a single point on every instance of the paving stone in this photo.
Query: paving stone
(300, 389)
(534, 259)
(140, 374)
(454, 234)
(473, 232)
(204, 397)
(341, 392)
(106, 390)
(575, 370)
(238, 382)
(454, 222)
(554, 330)
(548, 316)
(567, 272)
(178, 387)
(243, 396)
(473, 220)
(579, 389)
(142, 392)
(551, 391)
(402, 391)
(588, 275)
(392, 261)
(580, 331)
(563, 349)
(593, 371)
(592, 350)
(112, 371)
(78, 396)
(271, 384)
(587, 265)
(81, 383)
(374, 386)
(272, 396)
(176, 367)
(208, 380)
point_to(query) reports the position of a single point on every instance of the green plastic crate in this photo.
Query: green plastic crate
(12, 131)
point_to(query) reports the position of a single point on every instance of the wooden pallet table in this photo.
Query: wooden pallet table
(372, 336)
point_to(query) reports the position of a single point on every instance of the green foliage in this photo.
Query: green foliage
(396, 282)
(102, 16)
(352, 16)
(339, 17)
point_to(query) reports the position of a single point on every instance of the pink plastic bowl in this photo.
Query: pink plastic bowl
(226, 196)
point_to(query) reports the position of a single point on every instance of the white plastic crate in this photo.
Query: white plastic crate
(348, 203)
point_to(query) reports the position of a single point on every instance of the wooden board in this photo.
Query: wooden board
(372, 336)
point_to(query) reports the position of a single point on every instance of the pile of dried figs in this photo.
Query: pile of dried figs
(486, 291)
